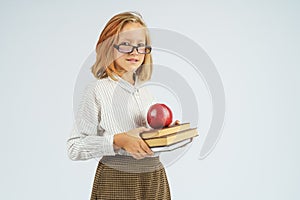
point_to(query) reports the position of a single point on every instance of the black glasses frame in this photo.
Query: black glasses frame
(117, 46)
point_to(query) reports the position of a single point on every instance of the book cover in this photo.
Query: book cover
(172, 138)
(165, 131)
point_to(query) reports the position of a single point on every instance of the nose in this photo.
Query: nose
(135, 51)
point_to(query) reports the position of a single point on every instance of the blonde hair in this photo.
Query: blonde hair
(104, 65)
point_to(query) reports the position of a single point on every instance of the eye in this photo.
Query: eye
(141, 45)
(125, 43)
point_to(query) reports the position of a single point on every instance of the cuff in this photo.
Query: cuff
(108, 145)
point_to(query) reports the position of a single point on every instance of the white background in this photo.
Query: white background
(254, 45)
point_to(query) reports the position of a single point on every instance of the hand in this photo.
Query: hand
(136, 132)
(132, 143)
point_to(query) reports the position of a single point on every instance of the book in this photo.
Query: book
(172, 147)
(172, 138)
(165, 131)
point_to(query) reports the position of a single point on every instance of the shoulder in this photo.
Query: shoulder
(104, 84)
(100, 88)
(97, 84)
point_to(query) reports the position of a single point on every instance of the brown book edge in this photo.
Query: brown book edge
(155, 133)
(170, 145)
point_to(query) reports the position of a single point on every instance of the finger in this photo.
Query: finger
(137, 152)
(134, 155)
(135, 135)
(142, 153)
(145, 148)
(142, 129)
(137, 156)
(177, 122)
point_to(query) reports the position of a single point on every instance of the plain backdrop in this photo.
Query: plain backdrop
(254, 45)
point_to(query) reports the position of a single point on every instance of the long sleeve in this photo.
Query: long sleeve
(87, 140)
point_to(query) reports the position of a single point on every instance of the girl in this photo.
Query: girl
(112, 115)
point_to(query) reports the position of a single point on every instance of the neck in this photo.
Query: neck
(128, 76)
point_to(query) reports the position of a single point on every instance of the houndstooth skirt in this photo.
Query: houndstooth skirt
(123, 177)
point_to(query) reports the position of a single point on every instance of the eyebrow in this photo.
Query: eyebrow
(131, 40)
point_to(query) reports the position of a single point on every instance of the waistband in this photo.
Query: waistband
(132, 165)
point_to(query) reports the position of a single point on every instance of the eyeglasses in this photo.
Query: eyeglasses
(126, 48)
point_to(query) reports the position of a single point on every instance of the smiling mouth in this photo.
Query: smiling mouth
(132, 60)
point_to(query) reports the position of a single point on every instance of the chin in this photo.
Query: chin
(131, 68)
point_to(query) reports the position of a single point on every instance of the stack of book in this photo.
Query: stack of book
(170, 138)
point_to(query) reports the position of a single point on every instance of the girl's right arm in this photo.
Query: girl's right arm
(132, 143)
(85, 142)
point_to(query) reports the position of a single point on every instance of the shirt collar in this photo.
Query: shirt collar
(126, 85)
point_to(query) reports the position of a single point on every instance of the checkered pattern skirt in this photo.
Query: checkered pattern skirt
(123, 177)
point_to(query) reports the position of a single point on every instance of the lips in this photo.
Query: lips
(132, 59)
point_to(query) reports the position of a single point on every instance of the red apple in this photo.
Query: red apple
(159, 116)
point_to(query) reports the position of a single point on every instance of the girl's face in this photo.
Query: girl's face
(131, 34)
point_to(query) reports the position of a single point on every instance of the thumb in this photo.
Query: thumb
(142, 129)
